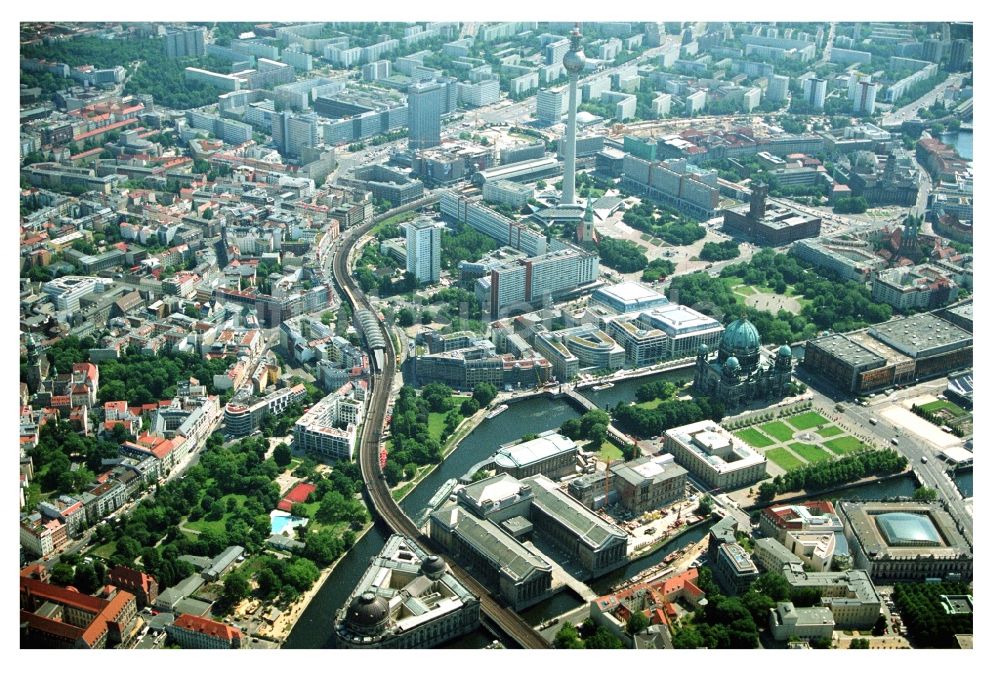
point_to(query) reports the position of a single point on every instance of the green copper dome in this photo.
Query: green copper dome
(740, 338)
(733, 364)
(784, 351)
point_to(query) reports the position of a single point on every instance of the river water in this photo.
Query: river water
(315, 628)
(963, 481)
(625, 391)
(961, 141)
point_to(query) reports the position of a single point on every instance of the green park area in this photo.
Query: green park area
(778, 430)
(784, 458)
(844, 445)
(806, 421)
(436, 421)
(609, 452)
(777, 440)
(942, 405)
(755, 438)
(809, 452)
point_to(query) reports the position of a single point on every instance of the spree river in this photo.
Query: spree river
(961, 141)
(315, 627)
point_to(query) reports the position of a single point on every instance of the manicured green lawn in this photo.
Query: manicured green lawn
(784, 459)
(829, 431)
(755, 438)
(843, 445)
(809, 452)
(952, 408)
(806, 421)
(609, 452)
(778, 430)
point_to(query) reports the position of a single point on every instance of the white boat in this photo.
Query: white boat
(497, 411)
(605, 386)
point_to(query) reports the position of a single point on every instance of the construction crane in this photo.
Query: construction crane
(607, 484)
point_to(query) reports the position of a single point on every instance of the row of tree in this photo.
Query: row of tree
(658, 389)
(828, 473)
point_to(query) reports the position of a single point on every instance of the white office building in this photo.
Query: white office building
(329, 427)
(551, 105)
(423, 250)
(777, 88)
(67, 291)
(713, 456)
(814, 92)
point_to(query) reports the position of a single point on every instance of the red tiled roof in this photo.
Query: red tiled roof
(54, 627)
(130, 578)
(205, 626)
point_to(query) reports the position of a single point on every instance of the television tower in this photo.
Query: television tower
(573, 62)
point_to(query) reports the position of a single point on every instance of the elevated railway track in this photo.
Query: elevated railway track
(502, 618)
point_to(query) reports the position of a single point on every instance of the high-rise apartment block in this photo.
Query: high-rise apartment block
(293, 133)
(777, 88)
(551, 105)
(423, 250)
(424, 108)
(184, 42)
(814, 92)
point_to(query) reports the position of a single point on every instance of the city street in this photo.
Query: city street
(909, 111)
(855, 419)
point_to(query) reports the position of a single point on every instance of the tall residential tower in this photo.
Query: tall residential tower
(423, 250)
(424, 107)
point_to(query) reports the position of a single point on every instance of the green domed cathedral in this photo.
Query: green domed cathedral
(741, 371)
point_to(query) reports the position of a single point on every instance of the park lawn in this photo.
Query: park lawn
(806, 421)
(934, 406)
(316, 526)
(219, 527)
(778, 430)
(645, 237)
(609, 452)
(829, 431)
(809, 452)
(435, 421)
(784, 459)
(104, 551)
(652, 403)
(754, 437)
(844, 445)
(731, 282)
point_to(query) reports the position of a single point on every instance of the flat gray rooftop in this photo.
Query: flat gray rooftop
(849, 351)
(921, 335)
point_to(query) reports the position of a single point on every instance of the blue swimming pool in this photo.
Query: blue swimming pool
(283, 522)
